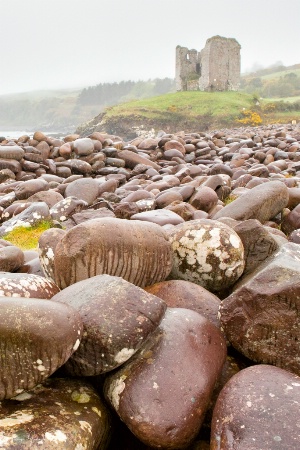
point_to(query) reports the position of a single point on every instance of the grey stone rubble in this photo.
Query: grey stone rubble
(169, 278)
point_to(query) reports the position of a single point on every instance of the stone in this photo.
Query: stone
(137, 251)
(208, 253)
(291, 221)
(257, 241)
(204, 199)
(162, 393)
(159, 216)
(34, 214)
(85, 189)
(167, 197)
(42, 333)
(59, 413)
(76, 166)
(262, 202)
(261, 317)
(46, 249)
(117, 319)
(65, 208)
(11, 258)
(133, 159)
(11, 152)
(27, 188)
(23, 285)
(184, 294)
(83, 146)
(49, 197)
(257, 409)
(83, 216)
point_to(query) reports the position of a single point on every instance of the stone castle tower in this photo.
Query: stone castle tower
(215, 68)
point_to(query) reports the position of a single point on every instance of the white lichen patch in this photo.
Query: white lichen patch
(97, 411)
(18, 418)
(50, 253)
(85, 426)
(23, 396)
(235, 241)
(57, 437)
(123, 355)
(76, 345)
(115, 390)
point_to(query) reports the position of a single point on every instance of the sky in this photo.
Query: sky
(51, 44)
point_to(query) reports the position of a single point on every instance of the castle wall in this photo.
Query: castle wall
(215, 68)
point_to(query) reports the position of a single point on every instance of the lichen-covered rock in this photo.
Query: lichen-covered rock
(36, 337)
(258, 409)
(261, 318)
(162, 393)
(34, 214)
(58, 414)
(137, 251)
(117, 318)
(184, 294)
(46, 250)
(28, 286)
(208, 253)
(65, 208)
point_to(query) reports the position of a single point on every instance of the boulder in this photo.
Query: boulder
(137, 251)
(37, 337)
(257, 409)
(117, 318)
(208, 253)
(162, 393)
(261, 318)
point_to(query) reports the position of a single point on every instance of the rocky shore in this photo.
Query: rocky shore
(162, 308)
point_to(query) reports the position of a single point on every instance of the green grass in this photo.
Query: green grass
(186, 103)
(26, 238)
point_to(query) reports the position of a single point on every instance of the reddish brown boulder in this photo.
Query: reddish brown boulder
(85, 189)
(258, 409)
(137, 251)
(262, 202)
(37, 337)
(261, 318)
(28, 286)
(46, 249)
(162, 393)
(184, 294)
(11, 258)
(204, 198)
(117, 318)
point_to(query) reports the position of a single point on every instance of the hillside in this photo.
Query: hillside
(190, 111)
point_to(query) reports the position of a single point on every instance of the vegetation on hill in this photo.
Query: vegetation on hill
(282, 82)
(65, 109)
(190, 111)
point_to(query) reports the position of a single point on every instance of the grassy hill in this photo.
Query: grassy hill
(190, 111)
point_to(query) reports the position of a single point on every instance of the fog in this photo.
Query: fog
(49, 44)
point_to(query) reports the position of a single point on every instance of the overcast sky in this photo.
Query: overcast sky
(47, 44)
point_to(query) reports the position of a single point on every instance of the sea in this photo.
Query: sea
(15, 134)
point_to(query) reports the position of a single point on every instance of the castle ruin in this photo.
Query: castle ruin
(215, 68)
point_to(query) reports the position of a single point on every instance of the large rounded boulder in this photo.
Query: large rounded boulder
(134, 250)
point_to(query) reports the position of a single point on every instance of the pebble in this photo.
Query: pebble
(165, 247)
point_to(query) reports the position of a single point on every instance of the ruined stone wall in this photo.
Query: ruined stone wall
(215, 68)
(187, 64)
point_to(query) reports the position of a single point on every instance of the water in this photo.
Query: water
(12, 134)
